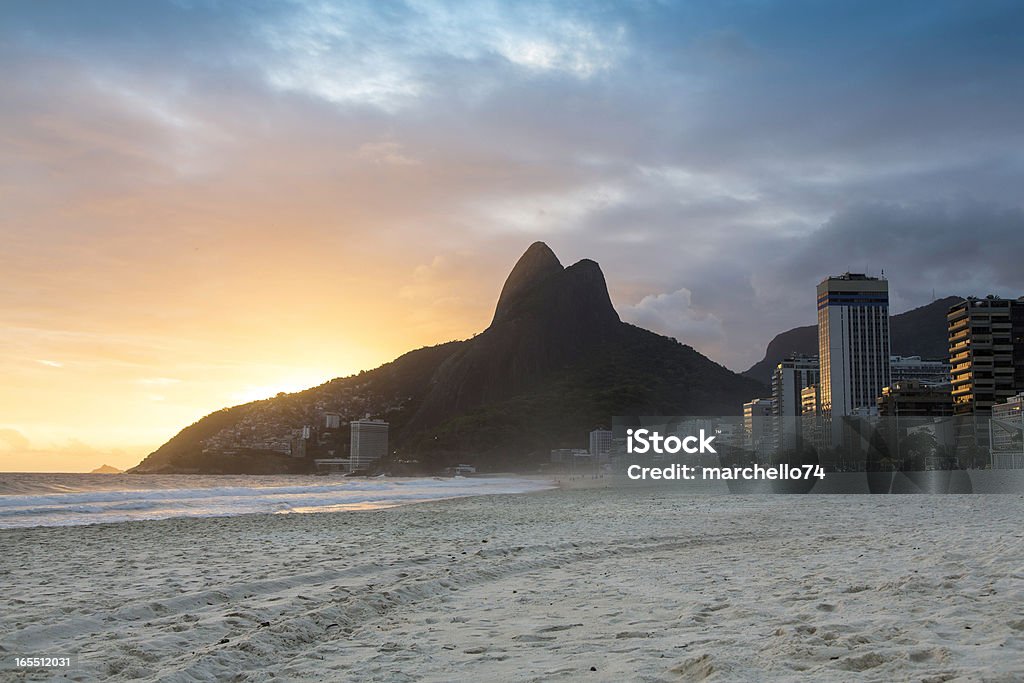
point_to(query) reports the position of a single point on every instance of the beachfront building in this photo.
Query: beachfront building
(369, 443)
(810, 415)
(853, 347)
(810, 404)
(1007, 433)
(789, 379)
(914, 398)
(574, 460)
(300, 440)
(986, 349)
(903, 368)
(757, 426)
(601, 444)
(567, 456)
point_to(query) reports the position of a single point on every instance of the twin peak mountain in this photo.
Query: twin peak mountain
(555, 362)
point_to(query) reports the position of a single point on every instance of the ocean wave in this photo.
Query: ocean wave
(90, 507)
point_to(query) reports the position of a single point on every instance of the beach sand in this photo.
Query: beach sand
(595, 585)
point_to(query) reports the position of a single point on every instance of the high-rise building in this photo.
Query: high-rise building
(986, 350)
(369, 443)
(601, 444)
(913, 368)
(853, 344)
(789, 378)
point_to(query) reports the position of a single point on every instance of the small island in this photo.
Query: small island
(106, 469)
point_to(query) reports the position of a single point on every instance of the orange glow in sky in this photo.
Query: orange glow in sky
(103, 365)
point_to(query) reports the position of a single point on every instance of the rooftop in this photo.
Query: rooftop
(853, 276)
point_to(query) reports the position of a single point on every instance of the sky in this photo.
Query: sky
(205, 203)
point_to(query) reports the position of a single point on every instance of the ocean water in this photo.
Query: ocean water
(67, 499)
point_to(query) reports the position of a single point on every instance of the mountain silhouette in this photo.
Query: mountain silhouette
(918, 332)
(547, 319)
(555, 362)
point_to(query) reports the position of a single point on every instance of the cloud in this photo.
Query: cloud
(50, 363)
(360, 53)
(445, 296)
(764, 285)
(566, 46)
(548, 213)
(952, 247)
(67, 455)
(13, 440)
(388, 152)
(674, 315)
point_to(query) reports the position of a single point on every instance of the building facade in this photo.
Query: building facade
(986, 351)
(369, 443)
(789, 379)
(572, 458)
(1007, 433)
(914, 398)
(601, 444)
(853, 345)
(757, 425)
(913, 368)
(810, 415)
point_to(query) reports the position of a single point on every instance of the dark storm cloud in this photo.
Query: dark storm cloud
(973, 247)
(926, 250)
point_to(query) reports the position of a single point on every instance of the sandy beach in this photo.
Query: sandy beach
(597, 585)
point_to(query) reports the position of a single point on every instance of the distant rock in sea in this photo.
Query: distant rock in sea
(106, 469)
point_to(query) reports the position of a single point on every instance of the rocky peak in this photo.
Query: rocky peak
(536, 265)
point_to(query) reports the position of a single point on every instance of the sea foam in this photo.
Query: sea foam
(77, 502)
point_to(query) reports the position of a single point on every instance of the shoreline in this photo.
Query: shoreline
(212, 497)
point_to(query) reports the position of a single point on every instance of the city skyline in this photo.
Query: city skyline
(207, 204)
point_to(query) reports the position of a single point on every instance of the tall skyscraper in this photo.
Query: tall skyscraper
(853, 343)
(986, 350)
(369, 443)
(789, 378)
